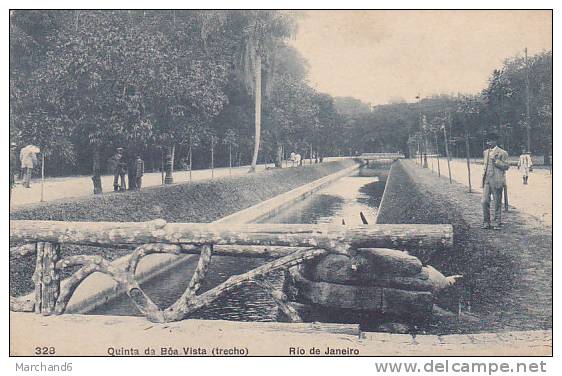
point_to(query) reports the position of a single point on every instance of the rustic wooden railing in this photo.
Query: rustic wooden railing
(287, 244)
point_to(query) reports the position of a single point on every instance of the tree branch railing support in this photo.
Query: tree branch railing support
(284, 245)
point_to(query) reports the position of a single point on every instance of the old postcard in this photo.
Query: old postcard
(281, 183)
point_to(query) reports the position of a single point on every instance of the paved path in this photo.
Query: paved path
(80, 186)
(74, 335)
(534, 199)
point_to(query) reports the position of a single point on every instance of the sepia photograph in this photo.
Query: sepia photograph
(313, 183)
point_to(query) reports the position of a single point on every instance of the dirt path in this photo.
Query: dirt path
(81, 186)
(72, 335)
(508, 273)
(534, 199)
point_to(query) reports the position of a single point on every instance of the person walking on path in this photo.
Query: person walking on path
(139, 172)
(525, 164)
(28, 158)
(493, 181)
(13, 167)
(119, 170)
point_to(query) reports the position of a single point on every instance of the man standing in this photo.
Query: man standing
(119, 170)
(493, 181)
(13, 166)
(28, 158)
(526, 164)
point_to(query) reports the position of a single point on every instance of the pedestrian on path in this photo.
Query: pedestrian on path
(119, 171)
(493, 181)
(13, 166)
(28, 158)
(139, 171)
(525, 165)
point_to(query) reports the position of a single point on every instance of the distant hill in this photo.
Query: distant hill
(351, 106)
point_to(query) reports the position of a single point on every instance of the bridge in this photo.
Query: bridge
(283, 245)
(380, 157)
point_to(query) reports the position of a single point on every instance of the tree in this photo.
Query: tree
(264, 31)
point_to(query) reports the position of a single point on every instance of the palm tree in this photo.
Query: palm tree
(263, 32)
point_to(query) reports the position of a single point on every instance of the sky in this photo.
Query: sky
(384, 56)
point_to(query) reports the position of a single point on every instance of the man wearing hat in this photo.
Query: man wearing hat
(525, 164)
(119, 170)
(493, 181)
(13, 166)
(28, 159)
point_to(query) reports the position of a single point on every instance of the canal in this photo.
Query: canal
(339, 203)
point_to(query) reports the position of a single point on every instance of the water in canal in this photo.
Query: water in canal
(342, 200)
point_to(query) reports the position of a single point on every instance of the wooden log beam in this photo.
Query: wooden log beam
(46, 277)
(343, 270)
(366, 265)
(22, 304)
(334, 238)
(387, 261)
(22, 250)
(368, 298)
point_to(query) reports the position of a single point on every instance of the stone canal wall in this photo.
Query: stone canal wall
(205, 201)
(99, 289)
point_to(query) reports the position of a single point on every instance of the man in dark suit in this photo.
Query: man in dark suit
(493, 181)
(119, 170)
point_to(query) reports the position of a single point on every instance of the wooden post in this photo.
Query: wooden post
(447, 152)
(42, 176)
(431, 164)
(190, 161)
(437, 154)
(425, 151)
(467, 136)
(212, 157)
(162, 165)
(505, 198)
(230, 159)
(46, 277)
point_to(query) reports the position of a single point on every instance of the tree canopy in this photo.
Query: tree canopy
(84, 82)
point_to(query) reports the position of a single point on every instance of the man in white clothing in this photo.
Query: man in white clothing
(525, 165)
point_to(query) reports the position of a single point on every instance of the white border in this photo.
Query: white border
(258, 366)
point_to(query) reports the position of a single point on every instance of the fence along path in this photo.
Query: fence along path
(287, 244)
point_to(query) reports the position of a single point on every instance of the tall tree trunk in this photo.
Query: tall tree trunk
(547, 154)
(131, 172)
(169, 165)
(96, 178)
(279, 156)
(173, 156)
(258, 113)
